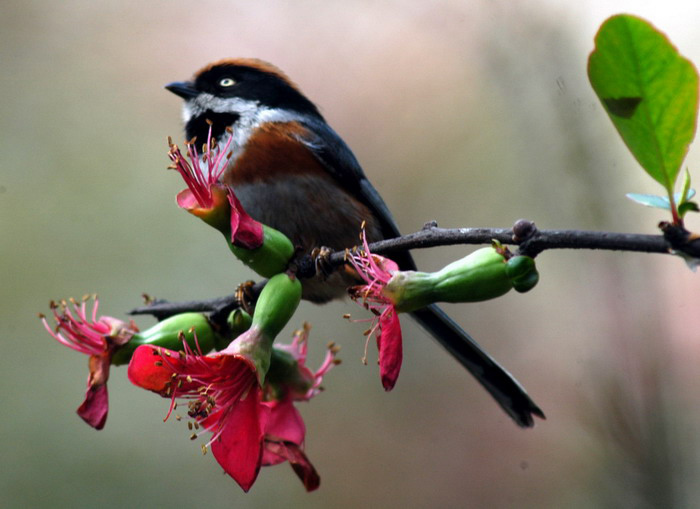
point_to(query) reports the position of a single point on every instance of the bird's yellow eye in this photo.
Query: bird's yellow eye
(227, 82)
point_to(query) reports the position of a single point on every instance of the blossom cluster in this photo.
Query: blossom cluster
(236, 382)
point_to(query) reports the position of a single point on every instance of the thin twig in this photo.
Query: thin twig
(524, 234)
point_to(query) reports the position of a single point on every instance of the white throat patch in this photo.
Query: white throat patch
(251, 114)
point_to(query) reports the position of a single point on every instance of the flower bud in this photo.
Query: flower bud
(276, 304)
(238, 322)
(476, 277)
(169, 334)
(482, 275)
(522, 272)
(271, 258)
(275, 307)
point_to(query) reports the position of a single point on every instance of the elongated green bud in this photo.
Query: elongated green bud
(484, 274)
(271, 258)
(276, 304)
(275, 307)
(167, 335)
(476, 277)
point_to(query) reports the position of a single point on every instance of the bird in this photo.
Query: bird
(293, 172)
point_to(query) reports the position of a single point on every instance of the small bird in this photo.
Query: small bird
(291, 171)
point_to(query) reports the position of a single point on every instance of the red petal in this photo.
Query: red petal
(238, 448)
(300, 463)
(246, 232)
(94, 408)
(187, 200)
(285, 424)
(148, 370)
(390, 348)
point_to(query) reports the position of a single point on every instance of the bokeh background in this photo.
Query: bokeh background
(471, 113)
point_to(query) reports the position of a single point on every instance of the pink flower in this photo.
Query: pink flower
(199, 180)
(377, 271)
(224, 397)
(285, 430)
(307, 383)
(251, 425)
(97, 337)
(210, 200)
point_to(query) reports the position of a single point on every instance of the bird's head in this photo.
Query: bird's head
(238, 93)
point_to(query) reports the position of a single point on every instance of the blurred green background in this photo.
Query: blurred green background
(469, 113)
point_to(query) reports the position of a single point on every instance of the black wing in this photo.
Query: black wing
(341, 163)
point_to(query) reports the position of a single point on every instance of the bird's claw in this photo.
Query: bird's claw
(322, 260)
(244, 296)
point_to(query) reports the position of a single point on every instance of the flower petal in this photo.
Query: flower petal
(239, 446)
(95, 407)
(284, 425)
(246, 232)
(300, 463)
(148, 370)
(187, 200)
(390, 347)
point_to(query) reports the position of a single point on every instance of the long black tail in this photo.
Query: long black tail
(501, 385)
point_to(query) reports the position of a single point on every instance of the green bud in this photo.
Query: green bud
(482, 275)
(167, 335)
(526, 283)
(519, 266)
(523, 273)
(476, 277)
(238, 322)
(276, 304)
(269, 259)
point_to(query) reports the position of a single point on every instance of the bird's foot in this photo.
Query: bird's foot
(244, 296)
(322, 260)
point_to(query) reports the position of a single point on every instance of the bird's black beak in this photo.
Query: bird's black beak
(184, 89)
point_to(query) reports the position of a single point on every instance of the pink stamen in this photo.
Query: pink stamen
(198, 179)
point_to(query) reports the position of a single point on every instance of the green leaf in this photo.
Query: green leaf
(685, 189)
(649, 91)
(659, 202)
(687, 206)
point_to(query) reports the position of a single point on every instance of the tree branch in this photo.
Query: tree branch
(524, 234)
